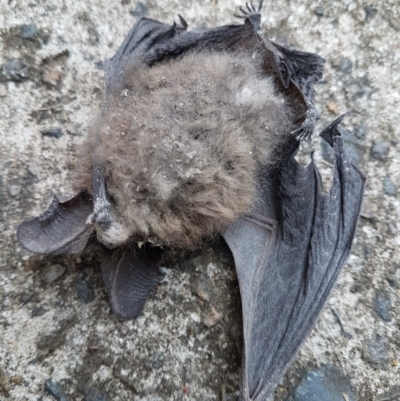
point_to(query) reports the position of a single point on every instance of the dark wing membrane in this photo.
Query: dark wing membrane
(288, 255)
(303, 68)
(61, 230)
(298, 71)
(224, 38)
(130, 274)
(145, 34)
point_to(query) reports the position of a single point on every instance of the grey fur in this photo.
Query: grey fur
(180, 144)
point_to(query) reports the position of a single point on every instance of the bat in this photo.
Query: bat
(196, 138)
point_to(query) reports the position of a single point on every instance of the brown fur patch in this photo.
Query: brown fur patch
(181, 143)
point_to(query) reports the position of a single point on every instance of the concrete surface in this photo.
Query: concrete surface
(186, 346)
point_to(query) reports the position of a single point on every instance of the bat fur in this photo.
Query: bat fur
(181, 143)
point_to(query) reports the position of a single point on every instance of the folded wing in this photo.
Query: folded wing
(288, 254)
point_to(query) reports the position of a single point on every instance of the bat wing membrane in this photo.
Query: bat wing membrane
(130, 274)
(288, 254)
(145, 34)
(62, 229)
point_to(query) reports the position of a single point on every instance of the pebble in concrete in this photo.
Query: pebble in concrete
(389, 187)
(14, 70)
(28, 31)
(15, 190)
(52, 132)
(85, 291)
(53, 272)
(382, 305)
(376, 352)
(55, 389)
(380, 150)
(326, 383)
(33, 168)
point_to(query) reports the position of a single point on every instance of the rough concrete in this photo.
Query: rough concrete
(52, 82)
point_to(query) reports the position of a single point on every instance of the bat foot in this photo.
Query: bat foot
(305, 131)
(251, 14)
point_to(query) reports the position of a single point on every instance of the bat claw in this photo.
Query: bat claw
(251, 15)
(305, 131)
(184, 24)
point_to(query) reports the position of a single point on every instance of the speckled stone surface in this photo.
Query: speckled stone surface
(57, 339)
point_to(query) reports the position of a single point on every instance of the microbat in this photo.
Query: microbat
(196, 138)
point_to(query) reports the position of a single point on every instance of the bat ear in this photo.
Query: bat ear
(62, 229)
(130, 273)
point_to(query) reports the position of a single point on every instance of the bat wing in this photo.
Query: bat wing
(62, 229)
(130, 274)
(302, 68)
(145, 34)
(288, 254)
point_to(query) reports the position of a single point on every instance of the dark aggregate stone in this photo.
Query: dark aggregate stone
(393, 281)
(85, 291)
(52, 132)
(56, 390)
(25, 297)
(376, 351)
(345, 66)
(319, 10)
(38, 311)
(140, 10)
(326, 383)
(361, 131)
(99, 65)
(14, 70)
(370, 12)
(389, 187)
(380, 150)
(28, 31)
(382, 305)
(90, 394)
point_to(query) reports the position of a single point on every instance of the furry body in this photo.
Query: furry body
(181, 143)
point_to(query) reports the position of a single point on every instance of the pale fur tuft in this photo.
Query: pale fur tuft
(181, 143)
